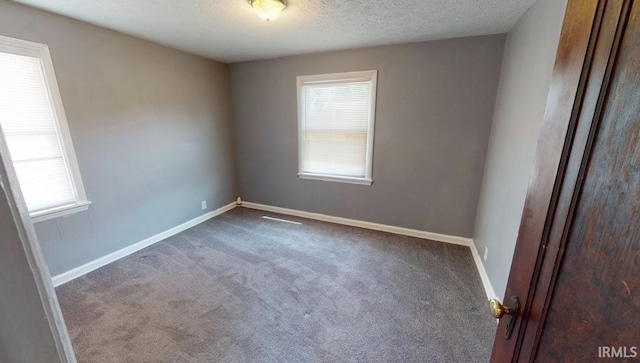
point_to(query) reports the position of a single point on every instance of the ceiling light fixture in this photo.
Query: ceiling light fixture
(269, 9)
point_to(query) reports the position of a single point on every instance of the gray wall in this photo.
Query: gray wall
(151, 128)
(528, 61)
(434, 108)
(25, 335)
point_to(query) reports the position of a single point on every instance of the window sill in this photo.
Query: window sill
(56, 212)
(338, 179)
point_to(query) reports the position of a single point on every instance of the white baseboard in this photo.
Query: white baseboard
(362, 224)
(488, 288)
(97, 263)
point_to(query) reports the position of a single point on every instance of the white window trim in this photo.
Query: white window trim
(61, 211)
(41, 51)
(330, 78)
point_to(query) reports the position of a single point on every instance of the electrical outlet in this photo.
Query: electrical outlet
(204, 206)
(486, 252)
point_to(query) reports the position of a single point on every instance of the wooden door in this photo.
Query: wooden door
(576, 267)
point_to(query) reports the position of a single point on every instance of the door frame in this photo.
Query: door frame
(584, 63)
(29, 240)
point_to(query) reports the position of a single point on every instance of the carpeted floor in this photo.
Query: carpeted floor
(240, 288)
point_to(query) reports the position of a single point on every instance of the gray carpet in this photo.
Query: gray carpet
(240, 288)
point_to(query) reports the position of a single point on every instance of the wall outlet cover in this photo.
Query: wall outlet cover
(204, 204)
(486, 253)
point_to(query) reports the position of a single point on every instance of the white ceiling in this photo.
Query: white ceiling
(231, 31)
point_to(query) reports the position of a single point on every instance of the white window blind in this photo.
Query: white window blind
(336, 126)
(32, 131)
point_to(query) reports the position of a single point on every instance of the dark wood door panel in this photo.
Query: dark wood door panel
(596, 298)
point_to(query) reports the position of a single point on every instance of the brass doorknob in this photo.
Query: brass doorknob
(498, 310)
(511, 310)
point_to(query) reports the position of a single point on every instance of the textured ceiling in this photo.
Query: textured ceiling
(231, 31)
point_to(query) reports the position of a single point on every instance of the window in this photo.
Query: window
(37, 144)
(335, 123)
